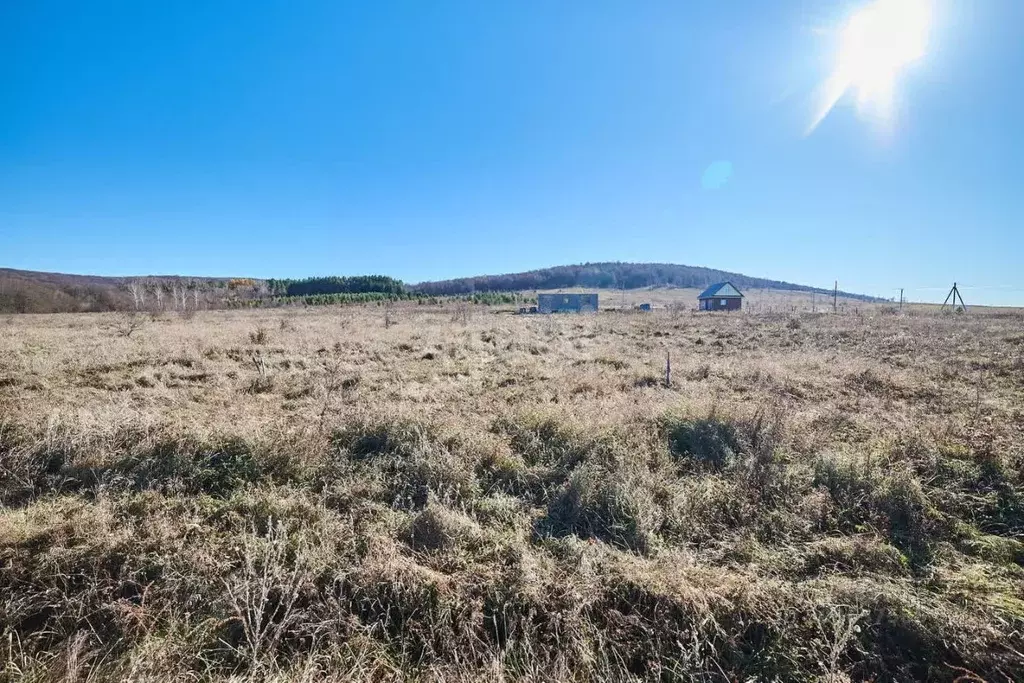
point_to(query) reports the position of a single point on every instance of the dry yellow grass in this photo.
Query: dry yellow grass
(756, 301)
(307, 494)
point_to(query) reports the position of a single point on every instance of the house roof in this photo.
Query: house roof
(724, 289)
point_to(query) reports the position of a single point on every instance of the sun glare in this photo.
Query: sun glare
(876, 44)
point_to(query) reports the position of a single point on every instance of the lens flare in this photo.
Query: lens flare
(876, 45)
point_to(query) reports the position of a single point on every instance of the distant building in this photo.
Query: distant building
(721, 297)
(567, 303)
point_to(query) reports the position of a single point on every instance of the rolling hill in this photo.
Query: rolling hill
(27, 291)
(23, 291)
(614, 275)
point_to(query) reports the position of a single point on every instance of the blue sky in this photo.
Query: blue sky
(450, 138)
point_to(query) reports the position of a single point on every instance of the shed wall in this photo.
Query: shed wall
(732, 303)
(567, 303)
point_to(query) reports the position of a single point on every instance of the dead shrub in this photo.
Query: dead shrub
(854, 554)
(264, 596)
(438, 528)
(412, 465)
(708, 443)
(700, 373)
(912, 521)
(646, 381)
(850, 483)
(259, 336)
(128, 324)
(614, 506)
(263, 382)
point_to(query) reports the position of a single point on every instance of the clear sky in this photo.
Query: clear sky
(439, 139)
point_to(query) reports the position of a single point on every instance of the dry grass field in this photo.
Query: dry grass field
(463, 494)
(758, 301)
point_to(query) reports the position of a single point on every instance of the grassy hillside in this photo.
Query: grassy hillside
(613, 275)
(430, 493)
(35, 292)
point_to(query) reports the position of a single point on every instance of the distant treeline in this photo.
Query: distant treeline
(36, 292)
(358, 284)
(488, 298)
(29, 292)
(22, 295)
(613, 275)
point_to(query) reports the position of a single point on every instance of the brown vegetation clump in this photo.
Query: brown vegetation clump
(841, 499)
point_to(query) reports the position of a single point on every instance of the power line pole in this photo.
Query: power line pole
(835, 297)
(955, 294)
(901, 298)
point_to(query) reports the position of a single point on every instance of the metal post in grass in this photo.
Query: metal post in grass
(954, 294)
(668, 368)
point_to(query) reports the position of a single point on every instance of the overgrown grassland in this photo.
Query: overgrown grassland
(462, 494)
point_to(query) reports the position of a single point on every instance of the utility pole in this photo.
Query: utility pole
(955, 294)
(835, 297)
(901, 298)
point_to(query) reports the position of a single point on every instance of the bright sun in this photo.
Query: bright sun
(877, 43)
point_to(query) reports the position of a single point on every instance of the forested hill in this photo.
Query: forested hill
(34, 292)
(613, 275)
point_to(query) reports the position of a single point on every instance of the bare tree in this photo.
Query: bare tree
(461, 313)
(128, 323)
(182, 294)
(158, 293)
(138, 292)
